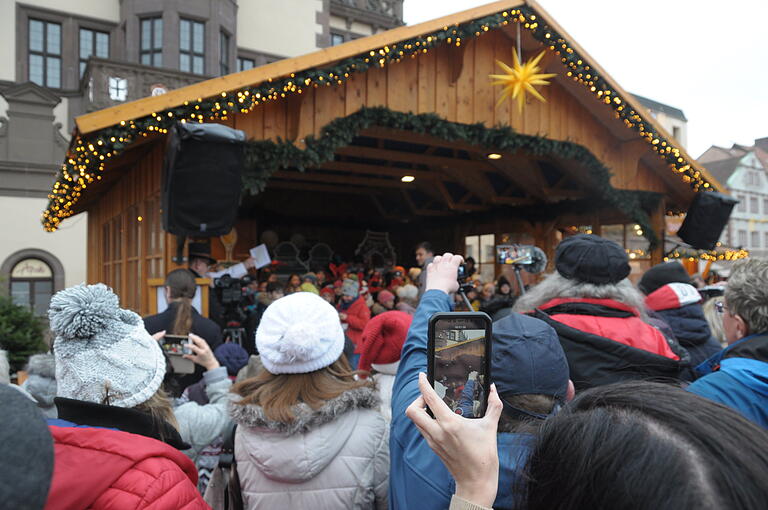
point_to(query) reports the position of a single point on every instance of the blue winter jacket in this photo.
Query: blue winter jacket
(738, 378)
(418, 479)
(692, 331)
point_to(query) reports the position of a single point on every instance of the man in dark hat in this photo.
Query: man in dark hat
(529, 369)
(201, 262)
(600, 316)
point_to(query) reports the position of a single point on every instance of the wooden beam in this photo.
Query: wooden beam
(520, 171)
(378, 170)
(396, 135)
(411, 157)
(340, 179)
(324, 188)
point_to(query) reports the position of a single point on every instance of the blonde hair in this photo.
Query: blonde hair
(715, 320)
(158, 406)
(278, 393)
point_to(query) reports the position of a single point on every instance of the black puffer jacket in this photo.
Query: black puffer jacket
(679, 305)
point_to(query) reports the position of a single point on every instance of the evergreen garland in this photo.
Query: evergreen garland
(264, 157)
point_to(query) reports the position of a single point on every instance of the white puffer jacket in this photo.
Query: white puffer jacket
(332, 458)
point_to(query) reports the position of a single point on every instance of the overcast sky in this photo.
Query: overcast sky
(708, 58)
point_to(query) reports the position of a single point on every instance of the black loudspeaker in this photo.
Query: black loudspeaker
(202, 179)
(706, 220)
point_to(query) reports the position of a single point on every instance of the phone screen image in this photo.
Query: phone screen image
(514, 254)
(460, 364)
(176, 344)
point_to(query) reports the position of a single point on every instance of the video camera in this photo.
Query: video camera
(230, 290)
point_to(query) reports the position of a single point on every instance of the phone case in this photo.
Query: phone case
(488, 348)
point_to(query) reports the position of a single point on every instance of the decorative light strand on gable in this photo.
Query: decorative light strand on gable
(89, 154)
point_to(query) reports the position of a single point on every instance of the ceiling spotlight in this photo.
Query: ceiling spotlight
(408, 178)
(494, 155)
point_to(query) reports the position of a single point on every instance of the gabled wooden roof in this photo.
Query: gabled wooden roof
(98, 134)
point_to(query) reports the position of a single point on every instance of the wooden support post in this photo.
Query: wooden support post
(659, 224)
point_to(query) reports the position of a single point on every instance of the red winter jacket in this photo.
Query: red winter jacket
(358, 315)
(631, 331)
(99, 469)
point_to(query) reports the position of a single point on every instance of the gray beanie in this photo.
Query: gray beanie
(99, 347)
(350, 288)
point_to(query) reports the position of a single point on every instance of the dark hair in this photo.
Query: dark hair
(532, 402)
(274, 286)
(426, 245)
(641, 445)
(182, 284)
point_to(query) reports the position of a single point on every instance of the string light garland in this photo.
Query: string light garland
(88, 155)
(718, 254)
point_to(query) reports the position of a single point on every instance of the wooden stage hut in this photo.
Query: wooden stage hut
(369, 147)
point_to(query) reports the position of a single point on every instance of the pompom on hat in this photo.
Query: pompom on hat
(299, 333)
(101, 349)
(383, 339)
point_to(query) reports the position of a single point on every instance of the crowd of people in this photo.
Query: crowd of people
(605, 394)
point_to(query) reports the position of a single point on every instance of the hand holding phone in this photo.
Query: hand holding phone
(200, 353)
(466, 447)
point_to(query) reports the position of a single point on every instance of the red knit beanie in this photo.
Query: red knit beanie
(383, 339)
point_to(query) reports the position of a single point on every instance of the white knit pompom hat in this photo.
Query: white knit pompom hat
(100, 346)
(299, 333)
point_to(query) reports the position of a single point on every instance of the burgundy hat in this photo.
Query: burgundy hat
(383, 338)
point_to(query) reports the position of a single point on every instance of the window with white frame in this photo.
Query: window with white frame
(742, 207)
(753, 205)
(118, 88)
(755, 239)
(742, 238)
(765, 206)
(482, 248)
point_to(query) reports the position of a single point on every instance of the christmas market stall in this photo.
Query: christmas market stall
(488, 127)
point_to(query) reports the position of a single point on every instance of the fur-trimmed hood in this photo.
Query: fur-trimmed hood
(253, 416)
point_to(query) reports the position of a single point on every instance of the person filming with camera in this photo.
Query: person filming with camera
(530, 373)
(181, 318)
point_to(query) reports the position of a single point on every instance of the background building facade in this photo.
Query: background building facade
(62, 59)
(742, 170)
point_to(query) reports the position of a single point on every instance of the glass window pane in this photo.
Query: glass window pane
(42, 296)
(157, 59)
(488, 248)
(20, 293)
(53, 38)
(146, 59)
(184, 34)
(86, 43)
(146, 34)
(197, 65)
(184, 62)
(198, 37)
(158, 40)
(102, 44)
(35, 35)
(472, 247)
(36, 69)
(82, 68)
(53, 71)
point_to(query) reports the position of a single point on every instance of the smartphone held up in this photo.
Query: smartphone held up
(459, 360)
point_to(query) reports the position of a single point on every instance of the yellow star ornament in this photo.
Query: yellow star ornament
(520, 79)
